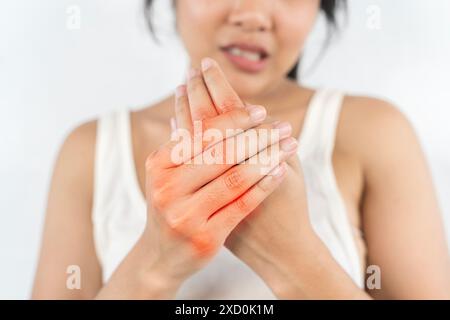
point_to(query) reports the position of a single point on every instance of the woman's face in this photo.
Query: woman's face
(256, 42)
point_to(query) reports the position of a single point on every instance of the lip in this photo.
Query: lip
(247, 46)
(243, 63)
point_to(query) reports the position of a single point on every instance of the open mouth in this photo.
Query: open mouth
(248, 52)
(246, 57)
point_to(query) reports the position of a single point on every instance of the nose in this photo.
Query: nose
(251, 15)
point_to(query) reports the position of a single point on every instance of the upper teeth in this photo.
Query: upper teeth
(253, 56)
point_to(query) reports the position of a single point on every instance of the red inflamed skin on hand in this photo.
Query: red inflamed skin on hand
(194, 206)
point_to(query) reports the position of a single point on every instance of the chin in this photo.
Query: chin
(247, 85)
(247, 89)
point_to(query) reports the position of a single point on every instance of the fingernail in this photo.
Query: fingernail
(278, 171)
(180, 91)
(207, 63)
(289, 144)
(284, 129)
(257, 113)
(192, 73)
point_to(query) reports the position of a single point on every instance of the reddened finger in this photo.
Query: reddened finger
(237, 119)
(200, 103)
(224, 221)
(210, 132)
(237, 180)
(223, 95)
(219, 158)
(182, 111)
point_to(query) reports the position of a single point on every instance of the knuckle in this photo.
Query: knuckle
(161, 195)
(208, 124)
(204, 243)
(233, 220)
(265, 185)
(238, 118)
(233, 180)
(202, 112)
(229, 103)
(194, 84)
(162, 182)
(191, 168)
(177, 224)
(210, 199)
(234, 217)
(158, 199)
(242, 204)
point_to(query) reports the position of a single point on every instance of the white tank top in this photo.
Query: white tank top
(119, 210)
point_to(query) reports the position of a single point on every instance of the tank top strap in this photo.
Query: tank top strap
(328, 212)
(319, 129)
(113, 159)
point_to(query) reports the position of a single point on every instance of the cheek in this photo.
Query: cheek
(198, 22)
(293, 27)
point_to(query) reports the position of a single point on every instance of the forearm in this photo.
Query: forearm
(312, 273)
(139, 277)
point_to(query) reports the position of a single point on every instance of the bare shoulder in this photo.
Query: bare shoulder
(373, 111)
(67, 220)
(368, 126)
(78, 149)
(81, 138)
(75, 162)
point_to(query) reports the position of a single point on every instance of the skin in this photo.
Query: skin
(379, 166)
(205, 25)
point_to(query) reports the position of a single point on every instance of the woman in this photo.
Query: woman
(355, 192)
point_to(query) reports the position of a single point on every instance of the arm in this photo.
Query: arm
(401, 217)
(191, 209)
(68, 235)
(67, 238)
(285, 251)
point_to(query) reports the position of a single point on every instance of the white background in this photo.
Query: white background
(53, 77)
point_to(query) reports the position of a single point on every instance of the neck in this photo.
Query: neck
(280, 98)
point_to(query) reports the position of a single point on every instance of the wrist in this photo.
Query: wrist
(155, 284)
(153, 277)
(297, 268)
(314, 274)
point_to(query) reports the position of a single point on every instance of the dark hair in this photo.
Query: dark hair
(328, 7)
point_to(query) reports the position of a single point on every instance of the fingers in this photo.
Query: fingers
(200, 103)
(209, 92)
(211, 131)
(182, 112)
(237, 180)
(220, 90)
(187, 144)
(216, 160)
(235, 121)
(223, 222)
